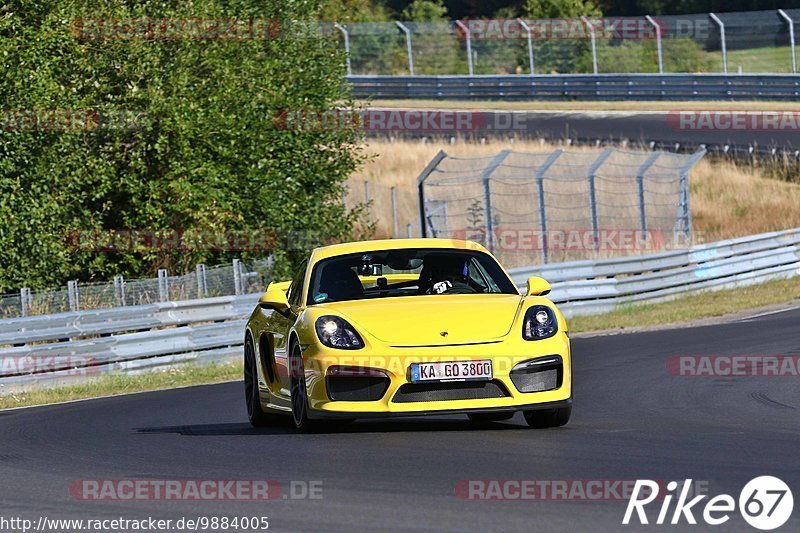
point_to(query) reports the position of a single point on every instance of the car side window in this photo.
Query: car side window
(296, 288)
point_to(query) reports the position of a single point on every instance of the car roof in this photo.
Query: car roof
(393, 244)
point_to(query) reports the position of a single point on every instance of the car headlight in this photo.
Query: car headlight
(540, 323)
(336, 332)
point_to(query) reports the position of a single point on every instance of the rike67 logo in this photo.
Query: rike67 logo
(765, 503)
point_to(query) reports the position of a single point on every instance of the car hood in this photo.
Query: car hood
(422, 320)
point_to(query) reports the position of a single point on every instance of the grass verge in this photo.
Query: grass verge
(111, 385)
(699, 306)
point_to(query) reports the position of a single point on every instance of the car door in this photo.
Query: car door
(283, 323)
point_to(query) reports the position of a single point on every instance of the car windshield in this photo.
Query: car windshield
(408, 272)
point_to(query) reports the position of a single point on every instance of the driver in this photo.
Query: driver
(446, 274)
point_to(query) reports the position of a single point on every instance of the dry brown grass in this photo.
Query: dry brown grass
(728, 200)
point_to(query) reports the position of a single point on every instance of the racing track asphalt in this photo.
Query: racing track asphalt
(631, 420)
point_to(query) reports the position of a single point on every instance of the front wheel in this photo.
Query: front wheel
(299, 392)
(256, 415)
(548, 418)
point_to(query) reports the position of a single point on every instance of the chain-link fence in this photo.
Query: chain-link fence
(530, 208)
(747, 42)
(223, 280)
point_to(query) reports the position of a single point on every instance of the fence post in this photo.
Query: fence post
(486, 176)
(202, 286)
(408, 46)
(640, 188)
(25, 301)
(594, 42)
(540, 172)
(163, 285)
(119, 289)
(592, 175)
(465, 29)
(658, 43)
(684, 216)
(788, 19)
(237, 277)
(72, 294)
(423, 224)
(530, 42)
(722, 39)
(408, 230)
(346, 46)
(394, 212)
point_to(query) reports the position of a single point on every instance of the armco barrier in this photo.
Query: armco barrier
(675, 87)
(138, 338)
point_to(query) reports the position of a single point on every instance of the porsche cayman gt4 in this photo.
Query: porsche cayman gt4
(406, 327)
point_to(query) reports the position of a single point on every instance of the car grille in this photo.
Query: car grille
(539, 375)
(457, 390)
(357, 389)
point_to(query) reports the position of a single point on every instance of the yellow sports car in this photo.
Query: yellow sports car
(406, 327)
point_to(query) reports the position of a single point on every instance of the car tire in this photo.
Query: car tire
(256, 415)
(299, 393)
(486, 418)
(548, 418)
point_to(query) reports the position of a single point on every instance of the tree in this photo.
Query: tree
(187, 137)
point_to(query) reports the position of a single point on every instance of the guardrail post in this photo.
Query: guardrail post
(423, 219)
(657, 27)
(721, 25)
(788, 19)
(530, 42)
(163, 285)
(408, 230)
(640, 188)
(367, 198)
(202, 285)
(592, 175)
(72, 295)
(594, 42)
(540, 172)
(486, 176)
(410, 54)
(467, 34)
(119, 290)
(346, 46)
(237, 277)
(24, 301)
(394, 212)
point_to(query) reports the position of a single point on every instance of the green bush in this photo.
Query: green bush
(198, 147)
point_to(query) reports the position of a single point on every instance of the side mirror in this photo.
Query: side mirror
(538, 286)
(274, 299)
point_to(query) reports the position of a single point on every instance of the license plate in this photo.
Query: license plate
(452, 371)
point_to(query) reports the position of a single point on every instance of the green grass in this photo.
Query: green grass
(178, 376)
(703, 305)
(770, 59)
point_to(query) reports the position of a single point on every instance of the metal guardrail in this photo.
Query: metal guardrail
(590, 287)
(81, 345)
(674, 87)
